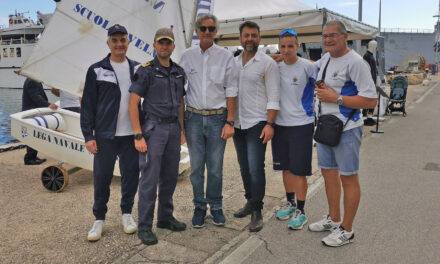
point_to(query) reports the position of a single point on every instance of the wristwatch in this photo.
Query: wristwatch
(231, 123)
(270, 124)
(138, 136)
(339, 101)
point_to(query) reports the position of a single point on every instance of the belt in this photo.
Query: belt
(206, 112)
(172, 119)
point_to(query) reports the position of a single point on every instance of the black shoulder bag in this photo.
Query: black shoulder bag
(329, 128)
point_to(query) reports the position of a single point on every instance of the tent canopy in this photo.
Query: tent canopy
(308, 24)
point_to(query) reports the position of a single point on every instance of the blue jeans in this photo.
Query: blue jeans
(345, 156)
(251, 154)
(205, 146)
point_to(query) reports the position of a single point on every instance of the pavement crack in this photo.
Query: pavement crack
(266, 244)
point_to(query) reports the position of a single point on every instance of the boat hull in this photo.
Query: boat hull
(65, 144)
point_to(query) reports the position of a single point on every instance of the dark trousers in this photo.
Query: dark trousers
(251, 155)
(31, 154)
(159, 169)
(103, 166)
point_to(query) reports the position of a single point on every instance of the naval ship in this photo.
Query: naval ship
(16, 43)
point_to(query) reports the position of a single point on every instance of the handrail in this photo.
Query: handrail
(407, 30)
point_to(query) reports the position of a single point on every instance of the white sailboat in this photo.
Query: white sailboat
(74, 39)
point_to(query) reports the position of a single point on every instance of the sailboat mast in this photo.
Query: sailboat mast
(187, 37)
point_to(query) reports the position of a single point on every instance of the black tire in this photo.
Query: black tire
(54, 178)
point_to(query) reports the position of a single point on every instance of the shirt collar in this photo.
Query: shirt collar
(207, 51)
(256, 57)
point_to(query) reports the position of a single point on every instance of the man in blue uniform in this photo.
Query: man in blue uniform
(34, 97)
(107, 130)
(161, 84)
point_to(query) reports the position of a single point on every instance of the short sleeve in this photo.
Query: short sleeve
(140, 81)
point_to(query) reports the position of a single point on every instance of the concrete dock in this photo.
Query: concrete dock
(38, 226)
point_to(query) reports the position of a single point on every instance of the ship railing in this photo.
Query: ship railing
(17, 41)
(408, 30)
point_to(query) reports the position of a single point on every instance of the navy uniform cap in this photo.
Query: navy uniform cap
(116, 28)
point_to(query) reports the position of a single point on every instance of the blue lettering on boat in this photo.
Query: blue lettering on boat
(100, 21)
(70, 145)
(157, 5)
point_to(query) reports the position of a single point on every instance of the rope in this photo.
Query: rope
(12, 148)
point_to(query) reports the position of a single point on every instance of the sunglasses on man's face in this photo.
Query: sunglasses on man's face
(203, 29)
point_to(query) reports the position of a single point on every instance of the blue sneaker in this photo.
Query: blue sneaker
(198, 220)
(298, 220)
(218, 217)
(286, 211)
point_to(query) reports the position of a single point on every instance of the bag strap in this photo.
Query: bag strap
(322, 79)
(319, 105)
(349, 117)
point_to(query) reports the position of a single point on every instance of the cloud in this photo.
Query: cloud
(348, 3)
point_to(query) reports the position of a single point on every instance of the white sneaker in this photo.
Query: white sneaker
(96, 231)
(129, 224)
(338, 237)
(325, 224)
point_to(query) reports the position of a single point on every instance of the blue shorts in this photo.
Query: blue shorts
(292, 148)
(345, 156)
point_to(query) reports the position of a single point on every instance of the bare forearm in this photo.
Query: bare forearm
(231, 105)
(134, 113)
(271, 115)
(358, 102)
(181, 113)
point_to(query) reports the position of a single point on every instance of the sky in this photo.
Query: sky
(404, 14)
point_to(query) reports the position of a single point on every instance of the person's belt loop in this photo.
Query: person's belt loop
(206, 112)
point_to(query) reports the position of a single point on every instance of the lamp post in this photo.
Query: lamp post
(358, 42)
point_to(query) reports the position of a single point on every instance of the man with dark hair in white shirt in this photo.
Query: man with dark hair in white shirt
(258, 103)
(209, 117)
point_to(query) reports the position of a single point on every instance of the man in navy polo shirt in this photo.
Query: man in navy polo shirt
(161, 83)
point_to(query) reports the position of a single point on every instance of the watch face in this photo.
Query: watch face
(339, 101)
(138, 136)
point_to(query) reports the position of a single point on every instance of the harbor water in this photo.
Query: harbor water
(10, 102)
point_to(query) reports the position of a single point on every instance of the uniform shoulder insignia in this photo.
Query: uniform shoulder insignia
(146, 64)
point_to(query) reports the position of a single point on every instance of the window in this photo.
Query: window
(18, 22)
(12, 52)
(5, 52)
(18, 52)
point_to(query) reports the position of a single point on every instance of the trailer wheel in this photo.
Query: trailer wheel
(54, 178)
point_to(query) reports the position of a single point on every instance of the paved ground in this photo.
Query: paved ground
(42, 227)
(397, 221)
